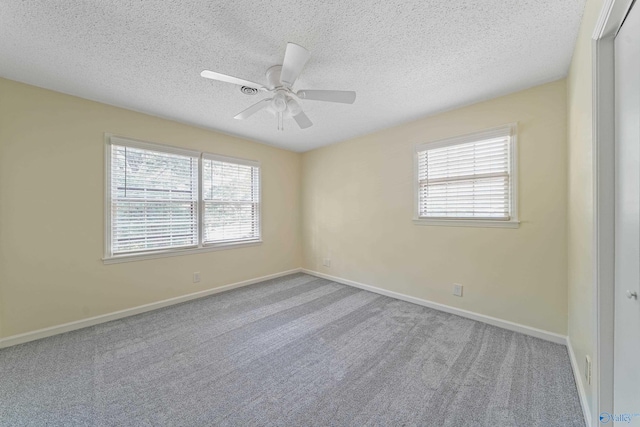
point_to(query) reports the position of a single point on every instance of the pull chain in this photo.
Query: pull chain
(280, 122)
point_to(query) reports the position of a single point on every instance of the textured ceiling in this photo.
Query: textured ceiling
(405, 59)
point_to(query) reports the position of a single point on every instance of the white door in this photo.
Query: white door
(627, 219)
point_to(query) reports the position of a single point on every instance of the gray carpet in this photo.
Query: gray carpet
(293, 351)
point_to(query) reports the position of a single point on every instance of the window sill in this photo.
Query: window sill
(482, 223)
(178, 252)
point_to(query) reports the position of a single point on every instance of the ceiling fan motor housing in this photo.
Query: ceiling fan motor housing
(273, 76)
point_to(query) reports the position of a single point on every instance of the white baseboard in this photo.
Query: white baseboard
(579, 384)
(78, 324)
(505, 324)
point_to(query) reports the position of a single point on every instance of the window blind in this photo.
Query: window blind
(154, 200)
(231, 196)
(470, 180)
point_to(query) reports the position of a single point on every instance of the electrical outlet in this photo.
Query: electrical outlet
(587, 369)
(326, 262)
(196, 277)
(457, 289)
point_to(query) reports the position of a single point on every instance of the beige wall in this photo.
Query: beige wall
(357, 209)
(580, 212)
(51, 212)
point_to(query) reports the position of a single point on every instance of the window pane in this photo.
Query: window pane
(481, 198)
(146, 174)
(467, 180)
(154, 200)
(231, 195)
(225, 222)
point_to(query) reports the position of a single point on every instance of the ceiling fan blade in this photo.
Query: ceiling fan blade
(229, 79)
(302, 120)
(253, 109)
(298, 115)
(295, 58)
(342, 96)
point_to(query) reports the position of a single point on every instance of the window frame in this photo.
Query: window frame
(110, 258)
(510, 130)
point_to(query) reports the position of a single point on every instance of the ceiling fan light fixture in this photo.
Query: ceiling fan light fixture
(294, 107)
(279, 102)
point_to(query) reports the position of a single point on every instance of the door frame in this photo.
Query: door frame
(611, 18)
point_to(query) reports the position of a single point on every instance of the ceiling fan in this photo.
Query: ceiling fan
(280, 79)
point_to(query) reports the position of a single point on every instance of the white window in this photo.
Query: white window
(165, 201)
(469, 180)
(231, 200)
